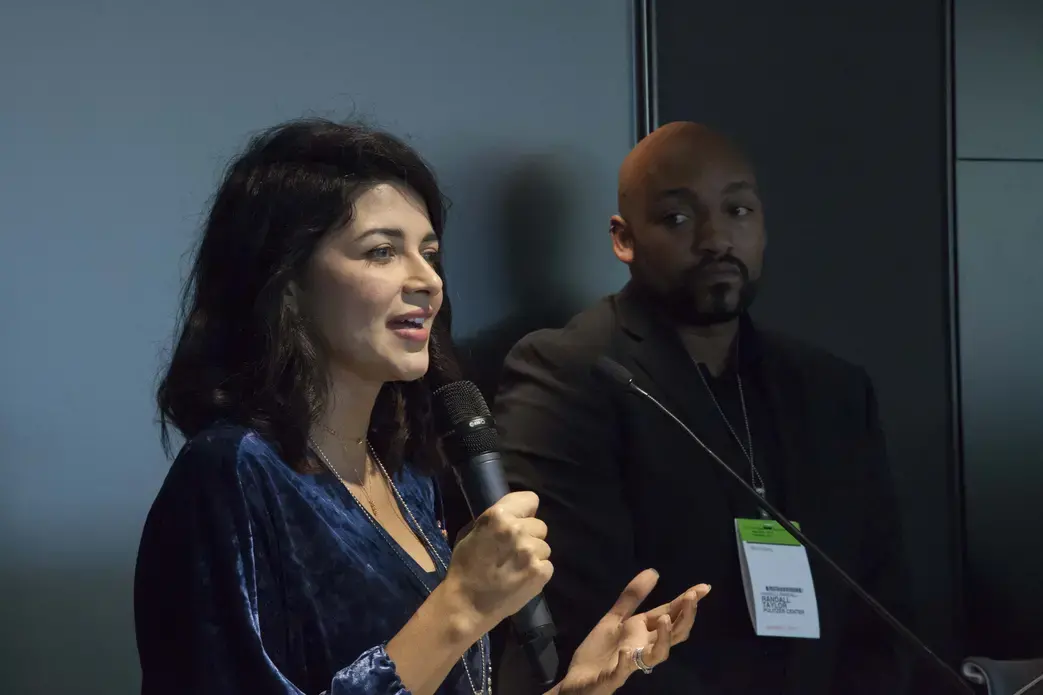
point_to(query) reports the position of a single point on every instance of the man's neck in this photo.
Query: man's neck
(710, 345)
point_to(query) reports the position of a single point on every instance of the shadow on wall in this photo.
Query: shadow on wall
(533, 216)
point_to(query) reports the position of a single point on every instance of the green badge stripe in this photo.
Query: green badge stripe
(761, 531)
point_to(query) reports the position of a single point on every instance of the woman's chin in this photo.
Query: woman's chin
(410, 367)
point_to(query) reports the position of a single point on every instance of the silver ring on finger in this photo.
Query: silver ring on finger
(639, 660)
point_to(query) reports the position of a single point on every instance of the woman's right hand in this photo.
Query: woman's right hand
(502, 562)
(496, 568)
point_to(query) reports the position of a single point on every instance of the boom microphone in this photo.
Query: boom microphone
(619, 374)
(472, 445)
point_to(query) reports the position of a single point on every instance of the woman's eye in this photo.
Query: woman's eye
(381, 253)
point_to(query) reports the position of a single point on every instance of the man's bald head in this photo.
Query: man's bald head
(674, 153)
(690, 225)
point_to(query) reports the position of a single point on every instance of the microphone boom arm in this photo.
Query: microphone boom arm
(806, 542)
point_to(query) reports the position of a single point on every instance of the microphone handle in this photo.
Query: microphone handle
(483, 485)
(818, 552)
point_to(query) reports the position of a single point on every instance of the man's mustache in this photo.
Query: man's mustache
(716, 263)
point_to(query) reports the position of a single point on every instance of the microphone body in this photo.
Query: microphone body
(619, 374)
(470, 440)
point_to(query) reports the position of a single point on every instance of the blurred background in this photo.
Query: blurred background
(900, 148)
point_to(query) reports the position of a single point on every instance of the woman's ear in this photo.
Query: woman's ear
(291, 297)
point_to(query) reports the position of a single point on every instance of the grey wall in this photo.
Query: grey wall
(117, 119)
(999, 199)
(999, 79)
(841, 106)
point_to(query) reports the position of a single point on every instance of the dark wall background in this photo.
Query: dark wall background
(842, 107)
(999, 201)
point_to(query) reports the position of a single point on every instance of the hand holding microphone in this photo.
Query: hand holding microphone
(471, 444)
(502, 562)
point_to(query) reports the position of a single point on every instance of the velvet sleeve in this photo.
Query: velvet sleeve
(209, 611)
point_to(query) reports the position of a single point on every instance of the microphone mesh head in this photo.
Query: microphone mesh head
(459, 402)
(614, 370)
(463, 420)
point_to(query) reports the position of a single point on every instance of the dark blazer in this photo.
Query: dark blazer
(622, 489)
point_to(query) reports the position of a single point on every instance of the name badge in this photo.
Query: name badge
(780, 592)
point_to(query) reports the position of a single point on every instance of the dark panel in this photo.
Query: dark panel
(1000, 228)
(842, 106)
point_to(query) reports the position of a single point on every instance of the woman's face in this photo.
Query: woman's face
(372, 289)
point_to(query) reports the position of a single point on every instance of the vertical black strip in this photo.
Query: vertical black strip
(958, 528)
(645, 107)
(652, 53)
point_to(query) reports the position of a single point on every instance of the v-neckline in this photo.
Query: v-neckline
(426, 579)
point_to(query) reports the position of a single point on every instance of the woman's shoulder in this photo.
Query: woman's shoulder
(224, 454)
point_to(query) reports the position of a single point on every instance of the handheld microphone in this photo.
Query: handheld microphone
(619, 374)
(472, 445)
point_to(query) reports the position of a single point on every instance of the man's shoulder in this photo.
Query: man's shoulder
(588, 335)
(811, 359)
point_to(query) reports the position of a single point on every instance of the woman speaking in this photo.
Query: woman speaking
(295, 545)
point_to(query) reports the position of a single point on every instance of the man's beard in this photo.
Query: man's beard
(691, 301)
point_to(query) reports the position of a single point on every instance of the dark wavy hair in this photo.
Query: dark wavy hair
(242, 356)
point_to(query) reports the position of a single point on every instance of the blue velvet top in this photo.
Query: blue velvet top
(254, 579)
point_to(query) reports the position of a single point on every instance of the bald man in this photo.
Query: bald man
(623, 488)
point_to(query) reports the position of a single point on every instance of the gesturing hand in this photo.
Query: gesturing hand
(605, 659)
(680, 611)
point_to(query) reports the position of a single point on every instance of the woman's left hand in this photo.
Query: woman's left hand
(606, 658)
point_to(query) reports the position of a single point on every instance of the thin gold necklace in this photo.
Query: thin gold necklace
(362, 474)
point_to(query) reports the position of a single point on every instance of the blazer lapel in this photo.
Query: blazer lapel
(665, 369)
(668, 371)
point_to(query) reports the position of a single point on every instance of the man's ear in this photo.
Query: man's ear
(622, 239)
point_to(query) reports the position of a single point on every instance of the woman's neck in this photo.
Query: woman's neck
(341, 431)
